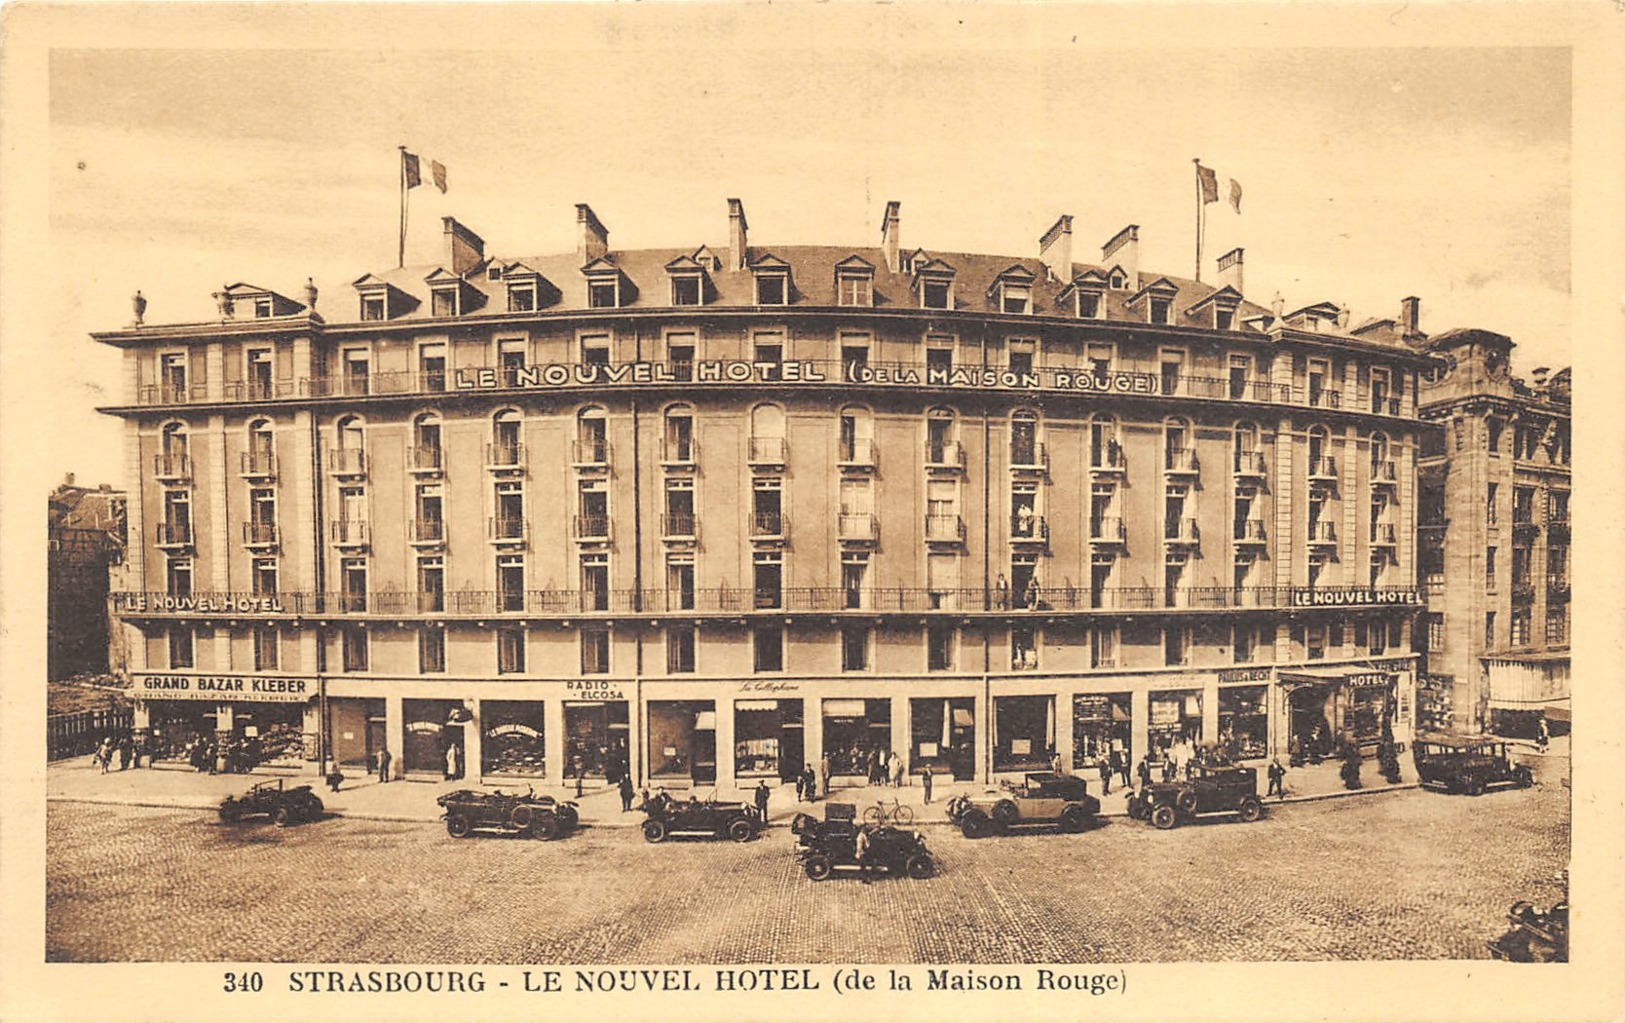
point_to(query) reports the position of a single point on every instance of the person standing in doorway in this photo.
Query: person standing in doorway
(762, 796)
(626, 793)
(451, 761)
(925, 782)
(1119, 765)
(383, 763)
(1055, 764)
(1277, 775)
(823, 774)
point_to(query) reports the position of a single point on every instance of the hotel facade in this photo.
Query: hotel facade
(709, 515)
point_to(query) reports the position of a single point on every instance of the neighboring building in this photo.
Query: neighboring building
(718, 513)
(86, 530)
(1494, 532)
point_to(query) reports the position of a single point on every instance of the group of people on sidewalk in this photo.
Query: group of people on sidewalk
(126, 752)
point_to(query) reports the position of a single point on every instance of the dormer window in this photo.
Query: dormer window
(685, 289)
(934, 282)
(444, 302)
(1089, 304)
(1015, 298)
(854, 282)
(521, 296)
(686, 275)
(772, 280)
(1224, 318)
(934, 294)
(372, 307)
(1118, 281)
(1159, 308)
(1158, 300)
(603, 294)
(493, 272)
(607, 287)
(262, 307)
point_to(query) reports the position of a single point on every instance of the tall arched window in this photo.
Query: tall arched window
(1105, 450)
(857, 436)
(1382, 466)
(426, 442)
(261, 448)
(941, 438)
(767, 434)
(1024, 446)
(174, 449)
(1249, 458)
(678, 437)
(1178, 445)
(592, 437)
(505, 446)
(1321, 462)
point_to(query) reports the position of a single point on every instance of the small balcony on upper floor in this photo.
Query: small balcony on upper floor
(1029, 531)
(769, 525)
(1108, 531)
(946, 456)
(347, 463)
(1109, 461)
(1181, 532)
(171, 468)
(257, 466)
(768, 453)
(1384, 474)
(679, 527)
(588, 453)
(590, 528)
(349, 533)
(510, 530)
(1250, 467)
(425, 460)
(1029, 457)
(1181, 462)
(174, 535)
(1251, 533)
(857, 528)
(1323, 467)
(505, 458)
(260, 536)
(857, 454)
(1384, 534)
(679, 453)
(427, 533)
(1525, 529)
(1557, 586)
(1322, 533)
(944, 529)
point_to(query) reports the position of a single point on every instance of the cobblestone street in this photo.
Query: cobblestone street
(1406, 874)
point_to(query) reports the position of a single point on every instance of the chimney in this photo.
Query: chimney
(1537, 377)
(67, 480)
(890, 234)
(1055, 249)
(593, 242)
(1230, 270)
(1410, 316)
(464, 249)
(1124, 250)
(736, 235)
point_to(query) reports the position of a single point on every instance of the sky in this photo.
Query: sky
(1368, 173)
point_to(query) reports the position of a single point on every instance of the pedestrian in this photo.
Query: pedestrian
(581, 778)
(809, 783)
(136, 750)
(896, 771)
(762, 796)
(1055, 764)
(1277, 775)
(451, 761)
(1105, 778)
(823, 773)
(1001, 593)
(1119, 764)
(1543, 735)
(1144, 771)
(861, 849)
(626, 793)
(925, 782)
(124, 754)
(335, 777)
(383, 763)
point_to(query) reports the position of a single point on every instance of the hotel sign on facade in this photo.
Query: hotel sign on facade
(1354, 596)
(807, 371)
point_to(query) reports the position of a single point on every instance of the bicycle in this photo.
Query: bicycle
(883, 813)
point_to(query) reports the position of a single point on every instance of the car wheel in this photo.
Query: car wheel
(1073, 819)
(741, 831)
(1186, 800)
(281, 817)
(230, 812)
(921, 866)
(1164, 817)
(1524, 776)
(314, 808)
(522, 816)
(1475, 786)
(544, 828)
(458, 826)
(568, 817)
(819, 867)
(654, 831)
(976, 825)
(1251, 809)
(1005, 811)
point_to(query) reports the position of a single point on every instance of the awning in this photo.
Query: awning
(1290, 680)
(705, 721)
(757, 705)
(1558, 712)
(962, 717)
(845, 708)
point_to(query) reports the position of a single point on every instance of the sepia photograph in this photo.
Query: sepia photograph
(613, 509)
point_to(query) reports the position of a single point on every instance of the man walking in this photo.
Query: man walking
(1119, 764)
(823, 773)
(1277, 775)
(1144, 771)
(383, 763)
(925, 782)
(1105, 777)
(626, 793)
(762, 796)
(865, 861)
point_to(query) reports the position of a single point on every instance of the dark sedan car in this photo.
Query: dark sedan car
(1209, 790)
(1468, 765)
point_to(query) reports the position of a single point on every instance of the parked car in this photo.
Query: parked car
(1209, 790)
(1041, 798)
(506, 813)
(823, 846)
(275, 800)
(1468, 765)
(665, 816)
(1534, 937)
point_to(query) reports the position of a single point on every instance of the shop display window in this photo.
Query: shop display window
(1101, 723)
(1023, 732)
(1244, 722)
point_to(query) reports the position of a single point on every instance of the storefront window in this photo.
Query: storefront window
(1369, 706)
(768, 739)
(513, 740)
(1023, 732)
(1101, 723)
(429, 731)
(1434, 702)
(1176, 717)
(943, 737)
(1244, 722)
(683, 740)
(595, 739)
(856, 734)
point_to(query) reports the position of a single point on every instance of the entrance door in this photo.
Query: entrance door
(1311, 720)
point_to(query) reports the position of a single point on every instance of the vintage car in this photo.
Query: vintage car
(506, 813)
(831, 843)
(1209, 790)
(275, 800)
(1042, 798)
(1468, 765)
(665, 816)
(1534, 937)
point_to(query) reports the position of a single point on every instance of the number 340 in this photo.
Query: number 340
(246, 981)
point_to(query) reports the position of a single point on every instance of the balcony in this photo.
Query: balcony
(946, 456)
(1523, 589)
(1323, 467)
(1557, 531)
(427, 533)
(1384, 474)
(590, 453)
(1029, 458)
(679, 454)
(1320, 397)
(1250, 466)
(507, 530)
(1181, 462)
(1108, 532)
(350, 533)
(679, 526)
(1109, 461)
(347, 462)
(857, 528)
(171, 468)
(857, 455)
(157, 394)
(589, 527)
(431, 602)
(765, 525)
(1181, 533)
(1029, 531)
(1385, 406)
(1525, 528)
(424, 460)
(1323, 534)
(1557, 586)
(767, 598)
(258, 465)
(260, 389)
(1383, 534)
(260, 535)
(1250, 532)
(944, 529)
(174, 535)
(505, 458)
(768, 452)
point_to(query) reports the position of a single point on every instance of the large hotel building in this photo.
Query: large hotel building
(713, 513)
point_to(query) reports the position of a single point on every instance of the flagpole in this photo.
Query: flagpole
(400, 256)
(1196, 168)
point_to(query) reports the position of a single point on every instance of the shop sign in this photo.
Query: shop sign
(1092, 708)
(196, 603)
(222, 688)
(593, 689)
(1165, 712)
(423, 727)
(513, 729)
(1392, 665)
(1243, 675)
(1369, 679)
(845, 708)
(763, 685)
(1352, 596)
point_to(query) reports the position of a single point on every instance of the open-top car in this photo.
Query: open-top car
(824, 846)
(507, 813)
(1533, 936)
(275, 800)
(1468, 765)
(1208, 790)
(1045, 798)
(665, 816)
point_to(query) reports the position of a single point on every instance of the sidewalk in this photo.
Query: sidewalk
(78, 780)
